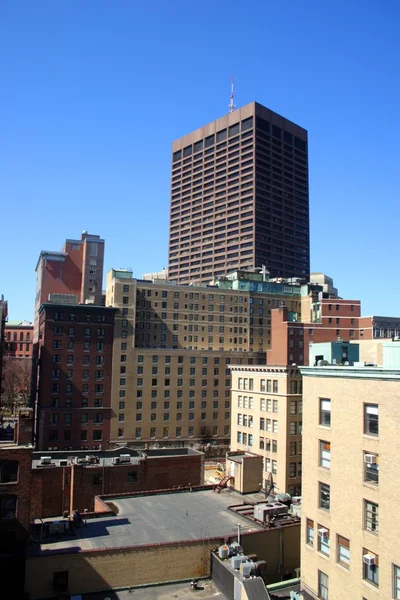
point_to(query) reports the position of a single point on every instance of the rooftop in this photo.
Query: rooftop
(156, 519)
(172, 591)
(96, 458)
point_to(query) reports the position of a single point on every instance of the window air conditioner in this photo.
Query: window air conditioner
(369, 559)
(322, 532)
(370, 459)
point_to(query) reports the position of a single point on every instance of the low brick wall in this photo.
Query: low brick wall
(99, 570)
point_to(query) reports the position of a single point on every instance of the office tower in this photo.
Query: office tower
(267, 420)
(350, 533)
(239, 198)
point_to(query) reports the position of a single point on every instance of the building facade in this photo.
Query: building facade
(239, 197)
(73, 275)
(173, 346)
(18, 339)
(267, 420)
(73, 391)
(350, 531)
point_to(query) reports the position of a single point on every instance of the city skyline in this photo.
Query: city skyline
(78, 134)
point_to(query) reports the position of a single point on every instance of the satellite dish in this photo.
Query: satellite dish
(346, 363)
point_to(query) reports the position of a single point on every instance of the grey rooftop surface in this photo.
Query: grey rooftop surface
(174, 591)
(157, 519)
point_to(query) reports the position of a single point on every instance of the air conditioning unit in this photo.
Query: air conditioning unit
(45, 460)
(369, 559)
(124, 458)
(322, 532)
(115, 460)
(370, 459)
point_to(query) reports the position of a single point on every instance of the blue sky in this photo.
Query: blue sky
(93, 93)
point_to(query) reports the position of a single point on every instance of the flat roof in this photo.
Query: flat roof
(156, 519)
(171, 591)
(105, 457)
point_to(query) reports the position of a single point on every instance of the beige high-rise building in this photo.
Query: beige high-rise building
(239, 197)
(267, 420)
(350, 532)
(173, 346)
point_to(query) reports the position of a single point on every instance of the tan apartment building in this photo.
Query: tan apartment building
(173, 346)
(350, 532)
(239, 197)
(267, 420)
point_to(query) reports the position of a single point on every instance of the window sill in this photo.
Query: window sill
(344, 567)
(324, 556)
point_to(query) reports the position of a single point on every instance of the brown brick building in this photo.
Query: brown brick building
(321, 320)
(15, 498)
(239, 197)
(65, 481)
(73, 400)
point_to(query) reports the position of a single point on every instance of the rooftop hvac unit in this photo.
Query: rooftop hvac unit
(235, 548)
(115, 460)
(370, 459)
(45, 460)
(237, 560)
(63, 463)
(269, 509)
(322, 532)
(246, 568)
(369, 559)
(124, 458)
(223, 551)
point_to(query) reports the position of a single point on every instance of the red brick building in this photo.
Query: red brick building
(18, 339)
(64, 482)
(73, 395)
(15, 497)
(322, 320)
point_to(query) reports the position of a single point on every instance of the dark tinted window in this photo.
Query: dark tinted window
(262, 124)
(221, 135)
(233, 129)
(198, 146)
(276, 131)
(288, 137)
(187, 151)
(176, 155)
(209, 141)
(300, 144)
(247, 124)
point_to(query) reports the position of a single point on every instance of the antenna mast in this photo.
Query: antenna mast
(232, 102)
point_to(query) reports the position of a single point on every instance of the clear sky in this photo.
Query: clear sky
(93, 92)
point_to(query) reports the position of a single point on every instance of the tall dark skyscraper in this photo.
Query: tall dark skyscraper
(239, 197)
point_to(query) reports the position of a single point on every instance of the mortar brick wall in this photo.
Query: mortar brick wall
(52, 494)
(22, 488)
(96, 571)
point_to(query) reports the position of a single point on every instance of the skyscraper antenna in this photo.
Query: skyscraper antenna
(232, 102)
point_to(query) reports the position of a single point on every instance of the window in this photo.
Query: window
(324, 454)
(396, 582)
(275, 386)
(325, 412)
(371, 468)
(370, 567)
(60, 581)
(275, 467)
(323, 540)
(371, 419)
(371, 516)
(343, 551)
(309, 532)
(323, 586)
(324, 496)
(8, 471)
(292, 468)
